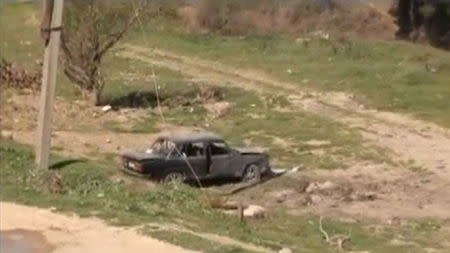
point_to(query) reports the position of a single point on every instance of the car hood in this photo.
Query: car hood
(142, 155)
(244, 150)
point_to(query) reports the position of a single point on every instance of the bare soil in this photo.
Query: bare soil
(66, 234)
(78, 127)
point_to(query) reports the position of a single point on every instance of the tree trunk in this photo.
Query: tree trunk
(96, 97)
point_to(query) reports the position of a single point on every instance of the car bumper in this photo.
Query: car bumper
(135, 173)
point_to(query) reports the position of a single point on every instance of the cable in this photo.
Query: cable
(161, 113)
(157, 97)
(190, 167)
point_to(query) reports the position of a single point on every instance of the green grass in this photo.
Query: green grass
(124, 76)
(89, 190)
(253, 118)
(20, 34)
(386, 75)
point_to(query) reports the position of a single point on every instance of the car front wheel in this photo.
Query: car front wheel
(174, 178)
(252, 173)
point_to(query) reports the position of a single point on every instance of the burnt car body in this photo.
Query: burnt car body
(195, 156)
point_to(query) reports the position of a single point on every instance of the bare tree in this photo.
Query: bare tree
(91, 28)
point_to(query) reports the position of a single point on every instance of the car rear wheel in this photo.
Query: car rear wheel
(252, 173)
(174, 178)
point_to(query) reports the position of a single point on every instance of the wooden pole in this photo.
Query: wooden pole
(48, 83)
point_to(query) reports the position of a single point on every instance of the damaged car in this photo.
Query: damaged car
(195, 156)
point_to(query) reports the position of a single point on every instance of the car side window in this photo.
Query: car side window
(195, 149)
(219, 148)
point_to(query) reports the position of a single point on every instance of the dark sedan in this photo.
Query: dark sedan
(195, 156)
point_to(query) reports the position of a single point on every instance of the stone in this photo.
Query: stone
(297, 168)
(315, 199)
(302, 40)
(285, 250)
(218, 109)
(7, 134)
(106, 108)
(254, 211)
(327, 185)
(312, 187)
(318, 143)
(281, 196)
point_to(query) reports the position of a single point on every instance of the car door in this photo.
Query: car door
(195, 154)
(219, 156)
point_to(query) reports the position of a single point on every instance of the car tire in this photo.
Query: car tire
(174, 178)
(252, 173)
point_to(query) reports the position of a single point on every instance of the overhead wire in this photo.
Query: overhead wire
(161, 113)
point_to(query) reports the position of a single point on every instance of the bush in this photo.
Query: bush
(236, 17)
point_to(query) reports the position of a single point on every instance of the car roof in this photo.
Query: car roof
(191, 137)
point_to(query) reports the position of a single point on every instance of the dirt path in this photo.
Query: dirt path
(211, 237)
(428, 145)
(66, 234)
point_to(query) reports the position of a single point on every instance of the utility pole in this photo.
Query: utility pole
(51, 33)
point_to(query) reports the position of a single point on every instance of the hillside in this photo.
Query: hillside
(360, 120)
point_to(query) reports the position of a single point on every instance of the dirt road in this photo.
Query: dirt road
(44, 230)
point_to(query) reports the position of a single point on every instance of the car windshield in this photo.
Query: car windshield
(162, 146)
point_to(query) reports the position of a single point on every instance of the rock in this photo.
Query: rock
(229, 212)
(312, 187)
(315, 199)
(289, 71)
(321, 34)
(254, 211)
(302, 40)
(312, 199)
(348, 220)
(297, 168)
(326, 186)
(217, 110)
(108, 140)
(318, 143)
(7, 134)
(106, 108)
(281, 196)
(285, 250)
